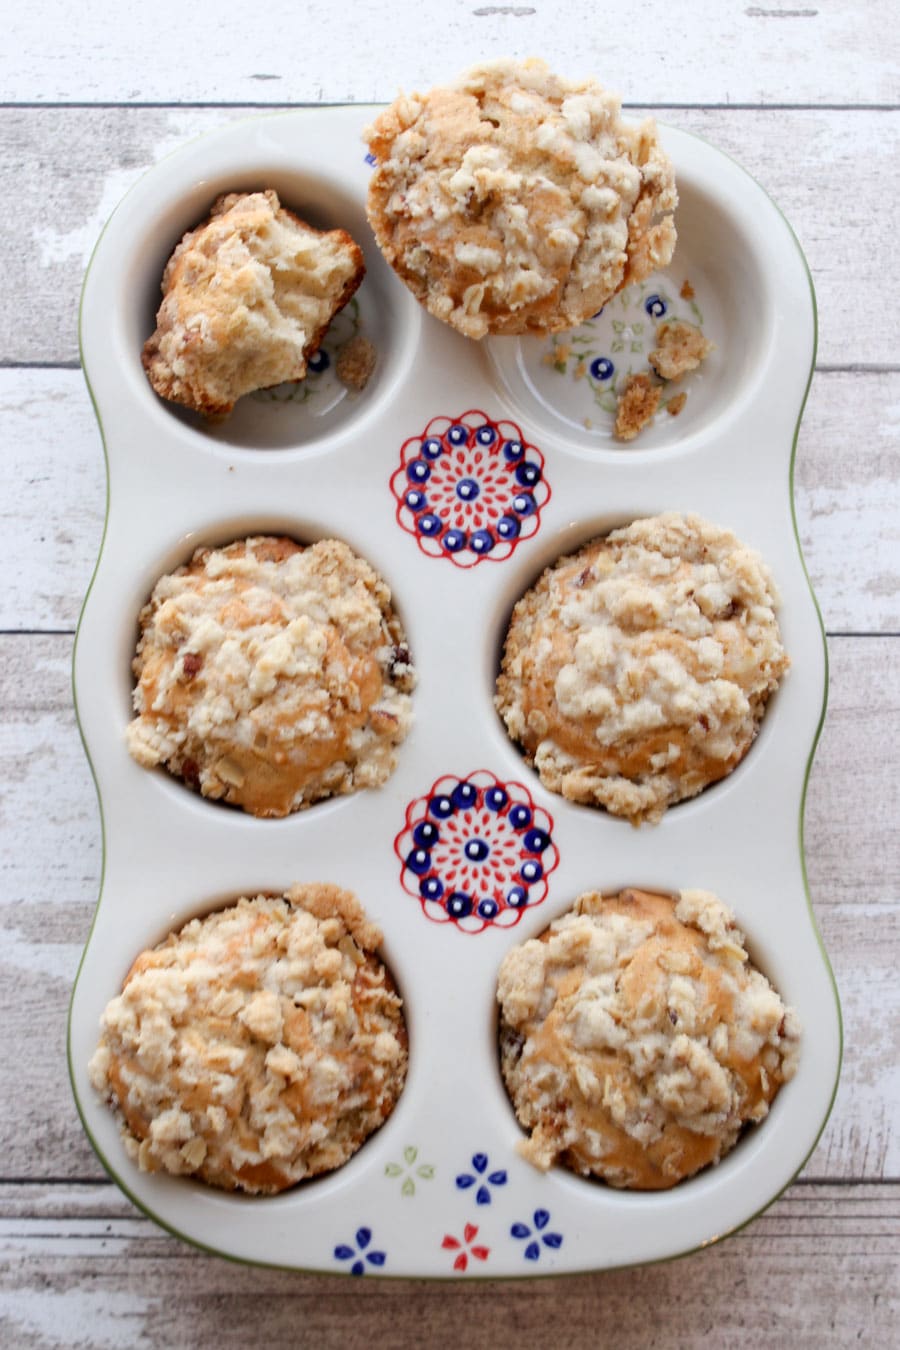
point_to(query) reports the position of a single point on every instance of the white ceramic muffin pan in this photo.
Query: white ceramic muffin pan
(440, 1190)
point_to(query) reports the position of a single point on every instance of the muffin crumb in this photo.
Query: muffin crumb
(356, 362)
(676, 404)
(681, 349)
(637, 405)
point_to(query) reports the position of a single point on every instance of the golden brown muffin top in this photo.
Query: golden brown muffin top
(515, 201)
(638, 1039)
(271, 676)
(636, 670)
(256, 1046)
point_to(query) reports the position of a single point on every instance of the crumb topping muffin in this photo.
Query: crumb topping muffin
(514, 201)
(270, 676)
(637, 1039)
(257, 1046)
(247, 299)
(637, 670)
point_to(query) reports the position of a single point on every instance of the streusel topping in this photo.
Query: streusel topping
(515, 201)
(257, 1046)
(638, 1040)
(271, 676)
(636, 672)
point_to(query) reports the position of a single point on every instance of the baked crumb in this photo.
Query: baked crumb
(256, 1046)
(687, 291)
(247, 298)
(637, 1039)
(681, 347)
(676, 404)
(356, 362)
(637, 406)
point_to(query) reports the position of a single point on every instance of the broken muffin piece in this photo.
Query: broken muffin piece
(681, 347)
(247, 299)
(637, 406)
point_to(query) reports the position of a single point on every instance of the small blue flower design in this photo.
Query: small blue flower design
(655, 306)
(370, 158)
(319, 361)
(360, 1254)
(540, 1218)
(482, 1179)
(602, 368)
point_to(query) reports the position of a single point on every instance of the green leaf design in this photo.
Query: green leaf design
(637, 346)
(618, 346)
(618, 325)
(425, 1171)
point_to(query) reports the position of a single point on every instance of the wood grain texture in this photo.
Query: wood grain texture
(78, 1254)
(720, 51)
(68, 169)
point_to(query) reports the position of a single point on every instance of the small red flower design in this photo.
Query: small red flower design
(465, 1248)
(469, 488)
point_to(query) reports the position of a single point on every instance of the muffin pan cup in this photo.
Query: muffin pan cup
(440, 1190)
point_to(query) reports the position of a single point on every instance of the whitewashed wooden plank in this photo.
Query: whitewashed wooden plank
(53, 499)
(818, 1269)
(853, 800)
(723, 51)
(810, 162)
(50, 867)
(847, 498)
(847, 491)
(861, 1138)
